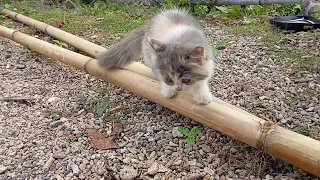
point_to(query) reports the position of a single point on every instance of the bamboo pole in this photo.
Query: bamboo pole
(289, 146)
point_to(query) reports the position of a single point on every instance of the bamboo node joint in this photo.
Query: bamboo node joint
(267, 127)
(14, 33)
(45, 29)
(85, 65)
(15, 16)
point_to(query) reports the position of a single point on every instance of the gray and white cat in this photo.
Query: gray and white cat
(175, 47)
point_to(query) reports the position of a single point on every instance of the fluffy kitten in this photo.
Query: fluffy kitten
(175, 47)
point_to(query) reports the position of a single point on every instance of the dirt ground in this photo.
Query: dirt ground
(47, 138)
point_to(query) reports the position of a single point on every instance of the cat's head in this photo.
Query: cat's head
(180, 66)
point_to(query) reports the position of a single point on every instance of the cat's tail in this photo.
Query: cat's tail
(125, 51)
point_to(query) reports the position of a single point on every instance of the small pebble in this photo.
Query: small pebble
(173, 144)
(59, 155)
(163, 169)
(52, 99)
(209, 171)
(58, 177)
(177, 163)
(100, 171)
(49, 163)
(58, 123)
(20, 66)
(81, 176)
(128, 173)
(3, 169)
(153, 169)
(176, 133)
(75, 169)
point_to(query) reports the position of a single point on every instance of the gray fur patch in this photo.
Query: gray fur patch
(174, 63)
(124, 52)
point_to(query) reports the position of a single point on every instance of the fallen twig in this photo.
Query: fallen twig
(18, 98)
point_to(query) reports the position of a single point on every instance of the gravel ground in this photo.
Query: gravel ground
(47, 138)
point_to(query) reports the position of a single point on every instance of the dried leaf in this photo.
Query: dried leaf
(99, 141)
(117, 128)
(116, 108)
(59, 24)
(230, 161)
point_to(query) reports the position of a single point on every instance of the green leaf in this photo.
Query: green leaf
(223, 9)
(222, 43)
(190, 140)
(91, 101)
(5, 6)
(64, 44)
(101, 108)
(293, 60)
(297, 6)
(195, 132)
(82, 100)
(183, 130)
(3, 16)
(59, 43)
(215, 13)
(256, 101)
(302, 131)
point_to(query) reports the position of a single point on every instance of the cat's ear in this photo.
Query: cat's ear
(196, 56)
(156, 45)
(197, 52)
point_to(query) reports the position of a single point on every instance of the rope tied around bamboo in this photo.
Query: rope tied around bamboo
(267, 127)
(86, 64)
(14, 33)
(45, 29)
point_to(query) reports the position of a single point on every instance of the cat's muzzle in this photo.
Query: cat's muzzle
(178, 88)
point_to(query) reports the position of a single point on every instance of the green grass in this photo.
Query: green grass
(302, 131)
(27, 51)
(60, 43)
(99, 104)
(256, 101)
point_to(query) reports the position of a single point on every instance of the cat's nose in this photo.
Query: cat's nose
(178, 88)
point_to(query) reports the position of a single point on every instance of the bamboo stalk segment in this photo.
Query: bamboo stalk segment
(81, 44)
(84, 45)
(289, 146)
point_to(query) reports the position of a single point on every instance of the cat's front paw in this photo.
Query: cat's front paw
(167, 92)
(203, 98)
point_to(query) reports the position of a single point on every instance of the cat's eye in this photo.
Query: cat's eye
(169, 80)
(185, 80)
